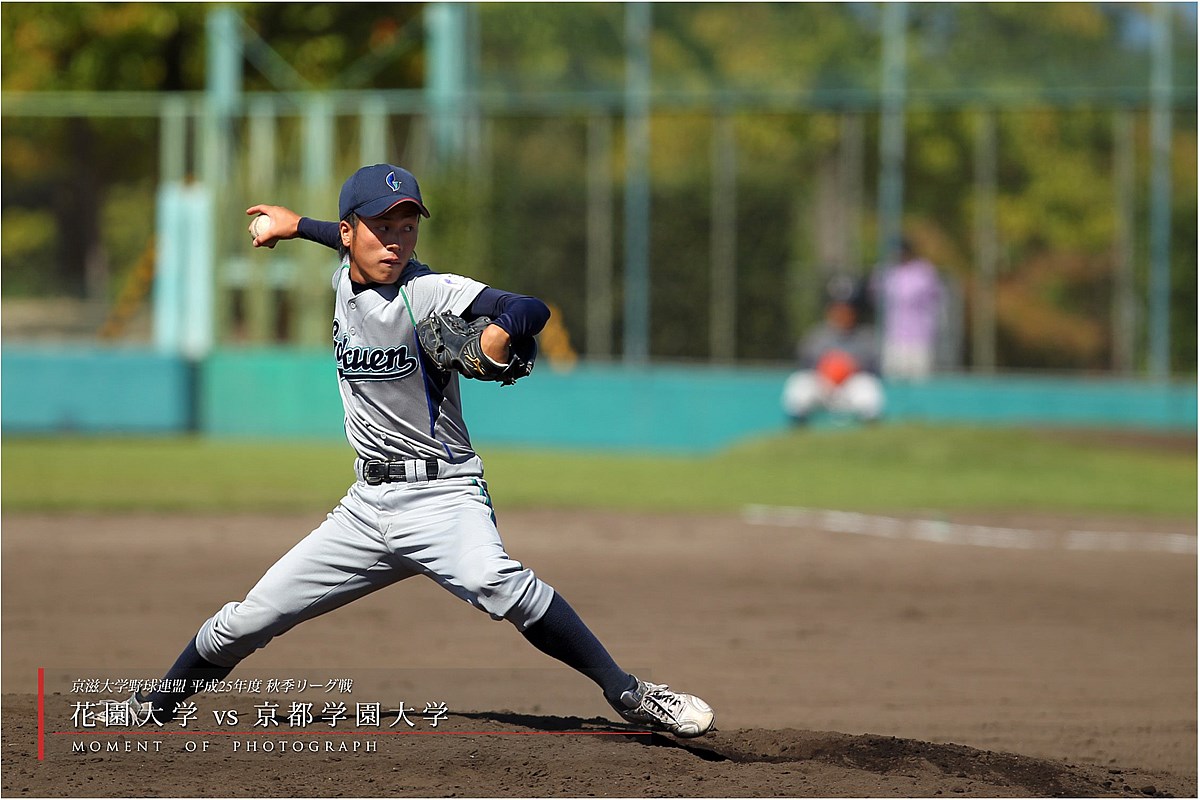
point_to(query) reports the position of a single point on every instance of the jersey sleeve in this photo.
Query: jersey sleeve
(444, 293)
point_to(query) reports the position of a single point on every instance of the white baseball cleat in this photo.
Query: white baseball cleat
(130, 713)
(684, 715)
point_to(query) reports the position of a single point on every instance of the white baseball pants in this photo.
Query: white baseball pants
(860, 395)
(379, 535)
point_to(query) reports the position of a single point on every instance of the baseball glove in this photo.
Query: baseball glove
(452, 343)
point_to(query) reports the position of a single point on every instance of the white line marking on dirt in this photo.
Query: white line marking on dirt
(941, 531)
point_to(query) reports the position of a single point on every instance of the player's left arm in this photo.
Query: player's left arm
(481, 333)
(515, 317)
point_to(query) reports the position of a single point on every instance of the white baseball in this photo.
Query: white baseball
(260, 225)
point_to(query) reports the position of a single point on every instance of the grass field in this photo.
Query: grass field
(886, 468)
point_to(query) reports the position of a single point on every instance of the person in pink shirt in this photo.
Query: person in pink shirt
(911, 295)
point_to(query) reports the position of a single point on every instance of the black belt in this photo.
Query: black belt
(377, 472)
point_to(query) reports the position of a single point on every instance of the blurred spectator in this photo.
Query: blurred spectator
(839, 360)
(911, 295)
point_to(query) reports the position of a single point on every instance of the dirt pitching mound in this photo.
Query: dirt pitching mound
(497, 754)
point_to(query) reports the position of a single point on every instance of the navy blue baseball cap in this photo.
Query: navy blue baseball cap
(373, 190)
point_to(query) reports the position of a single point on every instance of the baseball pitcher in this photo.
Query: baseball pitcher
(402, 337)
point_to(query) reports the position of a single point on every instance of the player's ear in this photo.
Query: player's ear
(346, 231)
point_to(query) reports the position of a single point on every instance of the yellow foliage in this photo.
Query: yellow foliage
(555, 343)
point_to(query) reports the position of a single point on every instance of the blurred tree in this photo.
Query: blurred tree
(68, 166)
(80, 47)
(1057, 209)
(102, 46)
(342, 45)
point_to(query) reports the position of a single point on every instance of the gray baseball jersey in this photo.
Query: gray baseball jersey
(397, 409)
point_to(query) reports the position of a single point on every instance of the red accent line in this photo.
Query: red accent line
(351, 733)
(41, 714)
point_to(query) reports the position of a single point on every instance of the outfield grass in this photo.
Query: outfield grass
(886, 468)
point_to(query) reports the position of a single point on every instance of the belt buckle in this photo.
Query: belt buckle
(374, 477)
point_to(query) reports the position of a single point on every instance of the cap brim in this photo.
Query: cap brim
(377, 208)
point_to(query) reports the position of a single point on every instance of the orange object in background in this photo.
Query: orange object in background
(836, 366)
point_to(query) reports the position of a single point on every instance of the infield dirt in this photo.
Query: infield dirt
(839, 665)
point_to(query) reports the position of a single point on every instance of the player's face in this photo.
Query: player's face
(842, 316)
(381, 246)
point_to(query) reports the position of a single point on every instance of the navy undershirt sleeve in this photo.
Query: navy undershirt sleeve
(518, 314)
(315, 230)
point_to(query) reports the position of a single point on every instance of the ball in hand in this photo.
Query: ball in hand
(260, 225)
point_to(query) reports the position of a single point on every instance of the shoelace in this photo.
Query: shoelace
(669, 702)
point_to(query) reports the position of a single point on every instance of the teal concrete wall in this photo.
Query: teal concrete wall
(270, 392)
(294, 394)
(1050, 401)
(286, 393)
(94, 390)
(651, 408)
(660, 408)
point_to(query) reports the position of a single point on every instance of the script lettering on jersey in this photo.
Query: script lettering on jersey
(370, 363)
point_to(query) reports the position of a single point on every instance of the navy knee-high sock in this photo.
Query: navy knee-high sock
(561, 634)
(191, 668)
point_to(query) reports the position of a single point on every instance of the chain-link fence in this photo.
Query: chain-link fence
(1020, 149)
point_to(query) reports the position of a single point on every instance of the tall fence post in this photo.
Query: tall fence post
(638, 21)
(1124, 309)
(850, 187)
(222, 100)
(172, 145)
(722, 317)
(599, 300)
(372, 132)
(446, 81)
(184, 289)
(315, 302)
(983, 301)
(891, 127)
(1160, 194)
(223, 89)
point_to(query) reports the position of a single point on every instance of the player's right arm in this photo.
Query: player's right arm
(287, 224)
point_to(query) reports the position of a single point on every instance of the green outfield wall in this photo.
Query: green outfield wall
(286, 393)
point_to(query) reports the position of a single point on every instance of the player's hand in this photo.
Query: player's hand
(284, 224)
(494, 343)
